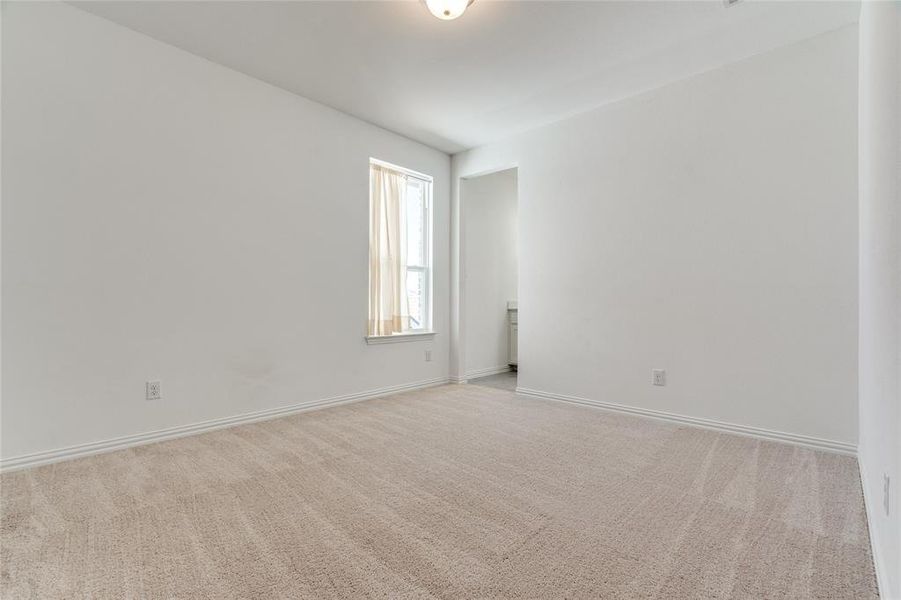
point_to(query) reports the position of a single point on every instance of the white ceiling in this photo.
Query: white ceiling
(502, 68)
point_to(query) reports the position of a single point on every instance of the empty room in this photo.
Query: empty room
(450, 299)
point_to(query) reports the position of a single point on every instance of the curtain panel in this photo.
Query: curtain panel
(388, 311)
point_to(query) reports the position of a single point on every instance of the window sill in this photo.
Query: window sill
(419, 336)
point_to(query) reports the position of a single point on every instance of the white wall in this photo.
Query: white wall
(165, 217)
(880, 281)
(490, 226)
(708, 228)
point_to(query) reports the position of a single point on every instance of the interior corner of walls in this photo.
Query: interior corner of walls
(239, 243)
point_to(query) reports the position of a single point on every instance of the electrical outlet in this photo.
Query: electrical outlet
(885, 492)
(153, 390)
(428, 356)
(658, 376)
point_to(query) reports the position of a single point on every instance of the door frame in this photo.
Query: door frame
(457, 370)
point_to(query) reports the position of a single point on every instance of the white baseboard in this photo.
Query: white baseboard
(767, 434)
(486, 372)
(871, 509)
(457, 379)
(51, 456)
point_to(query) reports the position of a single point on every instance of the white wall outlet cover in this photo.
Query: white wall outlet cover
(428, 356)
(153, 390)
(658, 376)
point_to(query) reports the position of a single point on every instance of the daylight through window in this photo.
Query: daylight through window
(400, 277)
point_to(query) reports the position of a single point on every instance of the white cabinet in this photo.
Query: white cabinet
(512, 333)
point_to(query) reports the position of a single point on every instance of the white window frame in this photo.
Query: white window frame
(426, 268)
(426, 332)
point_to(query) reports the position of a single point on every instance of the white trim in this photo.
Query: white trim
(82, 450)
(400, 169)
(488, 371)
(457, 380)
(457, 263)
(418, 336)
(767, 434)
(878, 565)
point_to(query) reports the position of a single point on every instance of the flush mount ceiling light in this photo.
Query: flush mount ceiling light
(447, 10)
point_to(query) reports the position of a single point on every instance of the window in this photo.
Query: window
(418, 272)
(400, 252)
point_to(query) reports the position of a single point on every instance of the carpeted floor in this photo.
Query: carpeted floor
(451, 492)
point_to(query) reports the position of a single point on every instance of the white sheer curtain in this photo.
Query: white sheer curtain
(388, 311)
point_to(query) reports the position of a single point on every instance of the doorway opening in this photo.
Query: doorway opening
(490, 279)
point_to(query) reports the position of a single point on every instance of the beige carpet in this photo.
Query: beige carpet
(452, 492)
